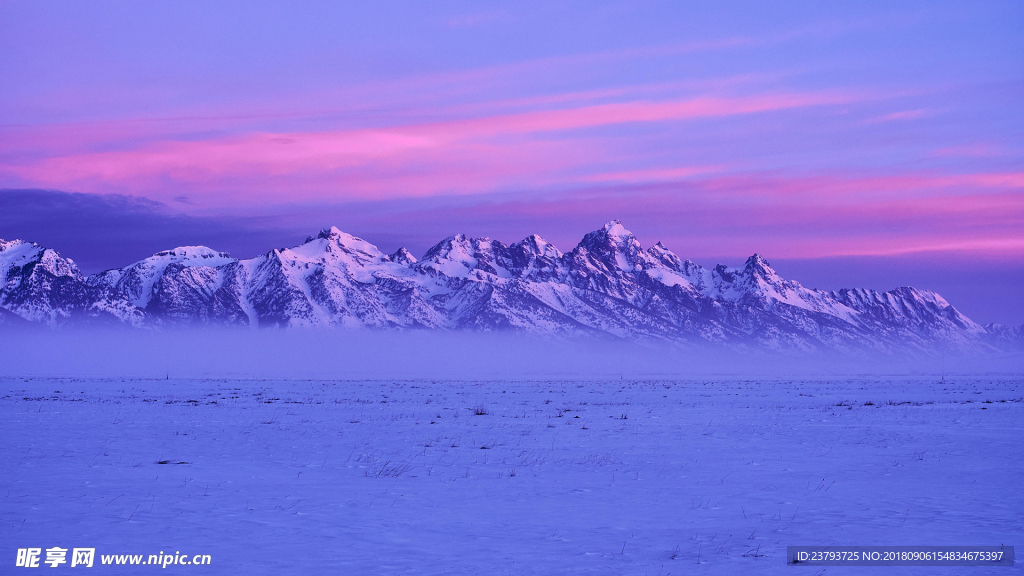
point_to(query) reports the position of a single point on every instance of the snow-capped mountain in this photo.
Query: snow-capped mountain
(1005, 337)
(38, 285)
(608, 284)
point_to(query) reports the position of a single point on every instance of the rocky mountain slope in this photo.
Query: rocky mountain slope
(607, 285)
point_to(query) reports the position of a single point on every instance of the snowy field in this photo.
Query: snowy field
(520, 477)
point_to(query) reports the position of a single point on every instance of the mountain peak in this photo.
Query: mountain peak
(660, 253)
(17, 253)
(534, 240)
(402, 256)
(447, 246)
(337, 244)
(615, 246)
(615, 229)
(331, 233)
(5, 244)
(758, 264)
(191, 252)
(335, 234)
(539, 246)
(455, 256)
(612, 234)
(611, 237)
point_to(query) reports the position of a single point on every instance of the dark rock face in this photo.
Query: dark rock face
(607, 284)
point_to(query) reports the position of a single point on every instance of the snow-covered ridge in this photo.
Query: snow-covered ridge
(37, 284)
(193, 254)
(607, 284)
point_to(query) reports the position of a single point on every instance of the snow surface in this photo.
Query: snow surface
(587, 476)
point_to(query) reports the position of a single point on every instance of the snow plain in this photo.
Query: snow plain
(597, 476)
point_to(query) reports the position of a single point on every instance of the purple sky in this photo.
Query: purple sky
(868, 144)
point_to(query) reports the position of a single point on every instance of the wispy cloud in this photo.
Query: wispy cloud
(900, 116)
(466, 155)
(979, 150)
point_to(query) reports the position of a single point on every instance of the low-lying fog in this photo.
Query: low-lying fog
(350, 354)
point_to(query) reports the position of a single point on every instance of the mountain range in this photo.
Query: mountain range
(607, 285)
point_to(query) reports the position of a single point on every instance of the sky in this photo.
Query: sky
(867, 144)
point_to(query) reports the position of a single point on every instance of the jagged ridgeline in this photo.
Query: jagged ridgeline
(608, 284)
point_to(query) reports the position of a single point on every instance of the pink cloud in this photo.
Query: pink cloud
(619, 113)
(898, 116)
(654, 175)
(982, 150)
(441, 153)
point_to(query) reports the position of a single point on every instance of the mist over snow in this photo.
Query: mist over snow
(464, 355)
